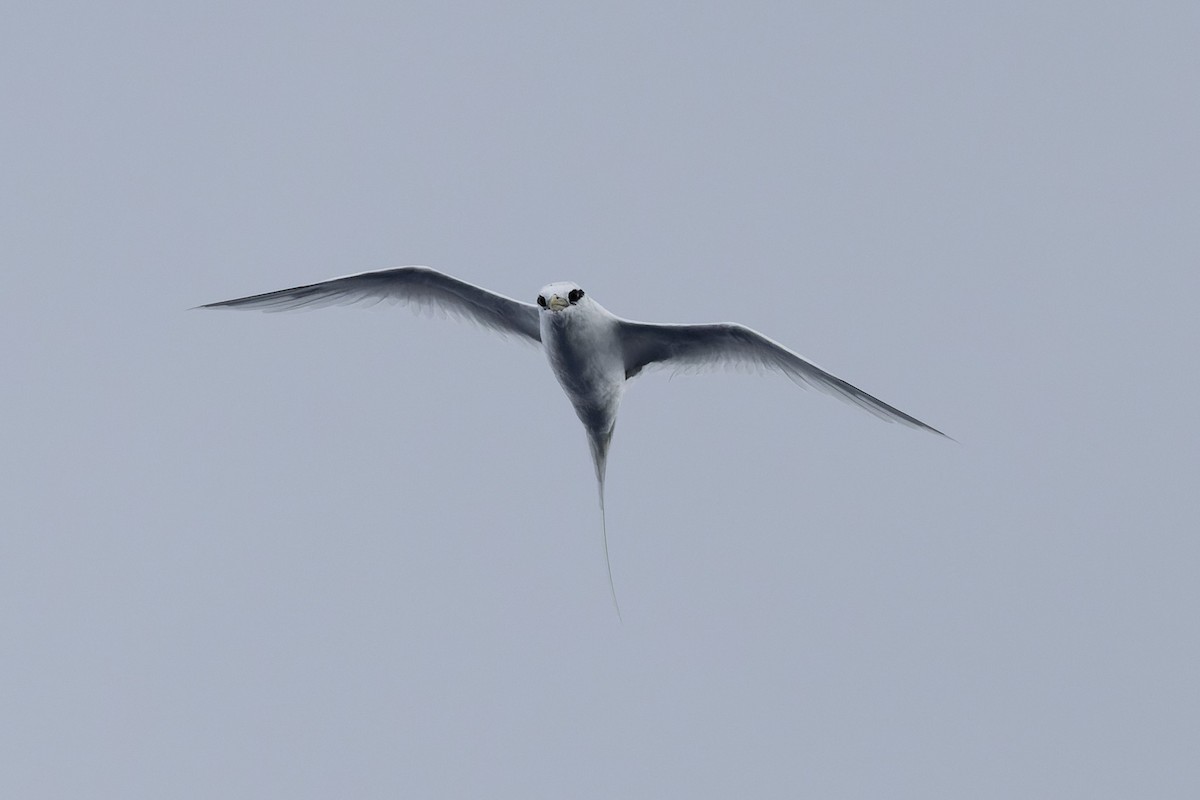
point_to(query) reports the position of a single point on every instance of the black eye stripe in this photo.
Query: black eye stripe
(575, 295)
(541, 301)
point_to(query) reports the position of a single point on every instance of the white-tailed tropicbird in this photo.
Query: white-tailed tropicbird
(591, 351)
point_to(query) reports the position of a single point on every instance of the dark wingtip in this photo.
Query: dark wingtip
(932, 429)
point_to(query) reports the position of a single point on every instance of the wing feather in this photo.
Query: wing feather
(419, 286)
(700, 346)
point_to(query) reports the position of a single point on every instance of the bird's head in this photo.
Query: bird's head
(558, 297)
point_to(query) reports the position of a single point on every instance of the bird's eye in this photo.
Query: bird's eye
(541, 301)
(574, 296)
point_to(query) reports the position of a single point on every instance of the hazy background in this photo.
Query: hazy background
(356, 553)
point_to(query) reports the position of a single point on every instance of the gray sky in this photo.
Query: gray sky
(356, 553)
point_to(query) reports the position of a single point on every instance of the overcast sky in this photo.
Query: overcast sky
(356, 553)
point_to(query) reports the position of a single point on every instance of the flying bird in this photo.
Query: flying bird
(591, 351)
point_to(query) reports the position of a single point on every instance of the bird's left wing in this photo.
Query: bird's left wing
(726, 343)
(420, 286)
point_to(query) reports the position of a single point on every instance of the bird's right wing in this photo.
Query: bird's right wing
(698, 346)
(420, 286)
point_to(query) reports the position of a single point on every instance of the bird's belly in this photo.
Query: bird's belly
(590, 372)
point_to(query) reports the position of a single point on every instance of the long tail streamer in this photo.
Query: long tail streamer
(599, 445)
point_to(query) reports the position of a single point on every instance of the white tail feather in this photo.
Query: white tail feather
(599, 445)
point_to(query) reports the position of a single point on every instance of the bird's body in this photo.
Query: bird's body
(592, 352)
(584, 352)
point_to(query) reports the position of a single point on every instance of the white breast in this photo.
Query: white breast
(584, 351)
